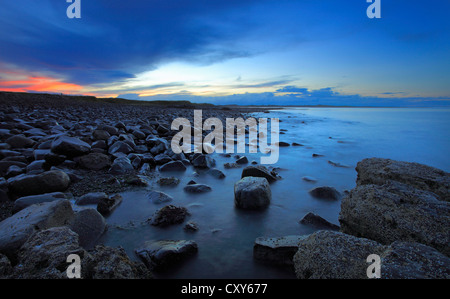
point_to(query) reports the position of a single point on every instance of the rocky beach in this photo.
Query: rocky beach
(68, 165)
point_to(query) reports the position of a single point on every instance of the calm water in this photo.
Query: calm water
(226, 235)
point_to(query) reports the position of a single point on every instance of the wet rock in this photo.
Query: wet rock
(120, 147)
(325, 193)
(101, 135)
(173, 166)
(70, 146)
(336, 164)
(36, 167)
(23, 202)
(107, 205)
(44, 254)
(94, 161)
(242, 160)
(396, 211)
(258, 171)
(92, 198)
(105, 262)
(15, 230)
(309, 179)
(316, 155)
(216, 173)
(191, 226)
(279, 250)
(203, 161)
(197, 188)
(334, 255)
(4, 166)
(19, 141)
(283, 144)
(171, 181)
(162, 159)
(121, 165)
(13, 171)
(252, 193)
(378, 171)
(169, 215)
(53, 159)
(230, 165)
(158, 197)
(47, 182)
(159, 255)
(89, 225)
(316, 220)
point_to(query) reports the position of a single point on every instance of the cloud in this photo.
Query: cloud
(293, 89)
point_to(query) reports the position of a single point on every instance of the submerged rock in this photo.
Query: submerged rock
(325, 193)
(279, 250)
(159, 255)
(318, 221)
(158, 197)
(197, 188)
(169, 215)
(107, 205)
(172, 181)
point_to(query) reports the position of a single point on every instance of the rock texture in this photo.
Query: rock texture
(412, 209)
(252, 193)
(279, 250)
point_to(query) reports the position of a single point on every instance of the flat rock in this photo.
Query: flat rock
(92, 198)
(171, 181)
(70, 146)
(23, 202)
(47, 182)
(159, 255)
(15, 230)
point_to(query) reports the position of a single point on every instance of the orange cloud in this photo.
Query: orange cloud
(38, 84)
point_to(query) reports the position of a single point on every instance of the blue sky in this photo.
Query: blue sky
(280, 52)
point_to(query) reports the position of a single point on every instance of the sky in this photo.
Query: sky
(258, 52)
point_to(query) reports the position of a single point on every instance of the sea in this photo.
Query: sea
(339, 138)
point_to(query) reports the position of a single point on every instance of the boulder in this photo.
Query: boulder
(173, 166)
(107, 205)
(169, 215)
(252, 193)
(15, 230)
(203, 161)
(162, 159)
(121, 166)
(334, 255)
(197, 188)
(19, 141)
(23, 202)
(316, 220)
(120, 147)
(158, 197)
(94, 161)
(70, 146)
(279, 250)
(159, 255)
(171, 181)
(47, 182)
(258, 171)
(89, 225)
(396, 211)
(377, 171)
(242, 160)
(101, 135)
(325, 193)
(216, 173)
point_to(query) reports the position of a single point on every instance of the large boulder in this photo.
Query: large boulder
(335, 255)
(47, 182)
(159, 255)
(94, 161)
(258, 171)
(15, 230)
(378, 171)
(252, 193)
(70, 146)
(26, 201)
(396, 211)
